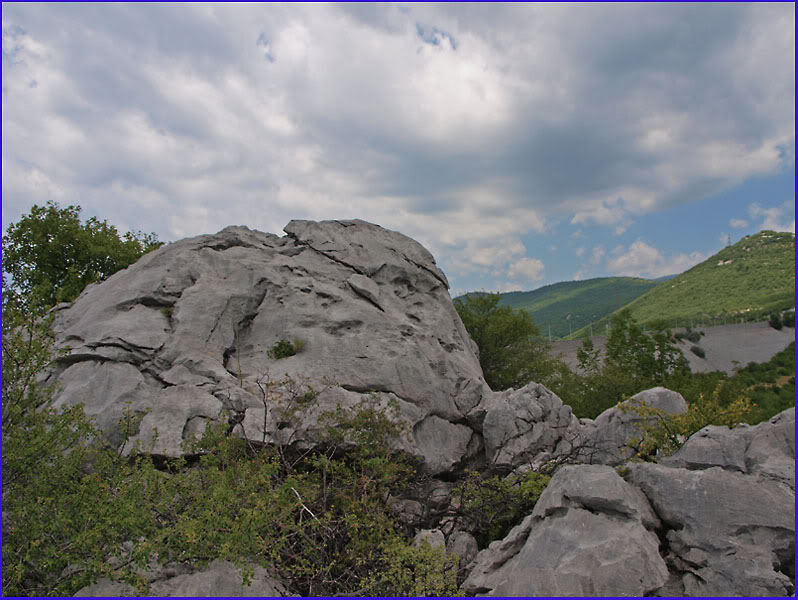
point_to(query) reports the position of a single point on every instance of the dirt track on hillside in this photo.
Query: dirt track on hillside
(726, 346)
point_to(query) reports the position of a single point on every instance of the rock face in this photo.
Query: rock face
(716, 519)
(186, 332)
(218, 579)
(164, 347)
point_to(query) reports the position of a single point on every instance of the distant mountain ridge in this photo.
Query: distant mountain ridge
(743, 282)
(565, 307)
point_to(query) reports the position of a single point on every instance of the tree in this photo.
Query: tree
(49, 256)
(511, 350)
(633, 361)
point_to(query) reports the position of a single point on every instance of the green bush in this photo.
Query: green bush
(283, 349)
(633, 360)
(512, 351)
(492, 505)
(789, 319)
(662, 434)
(775, 321)
(698, 351)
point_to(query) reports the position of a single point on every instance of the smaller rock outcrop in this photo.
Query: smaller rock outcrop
(767, 449)
(715, 519)
(590, 534)
(726, 533)
(525, 425)
(606, 439)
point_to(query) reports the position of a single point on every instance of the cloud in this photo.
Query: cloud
(738, 223)
(579, 252)
(529, 269)
(774, 218)
(642, 260)
(465, 126)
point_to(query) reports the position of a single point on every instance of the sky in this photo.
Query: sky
(521, 144)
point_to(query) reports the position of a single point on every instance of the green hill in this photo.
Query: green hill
(584, 301)
(743, 282)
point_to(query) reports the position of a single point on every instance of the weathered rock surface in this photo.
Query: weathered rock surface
(522, 426)
(716, 519)
(767, 449)
(605, 439)
(589, 535)
(728, 534)
(185, 332)
(218, 579)
(463, 545)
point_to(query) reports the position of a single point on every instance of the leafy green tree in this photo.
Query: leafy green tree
(49, 256)
(511, 350)
(633, 360)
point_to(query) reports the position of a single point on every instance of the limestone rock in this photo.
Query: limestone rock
(587, 536)
(464, 545)
(767, 449)
(185, 333)
(728, 534)
(771, 451)
(218, 579)
(519, 425)
(607, 436)
(433, 537)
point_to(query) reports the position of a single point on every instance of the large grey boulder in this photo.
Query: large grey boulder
(590, 534)
(725, 533)
(218, 579)
(606, 439)
(184, 333)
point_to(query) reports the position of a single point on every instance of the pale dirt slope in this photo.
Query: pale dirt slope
(726, 346)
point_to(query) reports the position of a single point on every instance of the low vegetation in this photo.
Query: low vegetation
(284, 349)
(491, 505)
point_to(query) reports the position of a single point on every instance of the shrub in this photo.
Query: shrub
(698, 351)
(283, 349)
(662, 434)
(789, 319)
(492, 505)
(690, 335)
(775, 321)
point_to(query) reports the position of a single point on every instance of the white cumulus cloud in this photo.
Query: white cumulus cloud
(738, 223)
(529, 269)
(643, 260)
